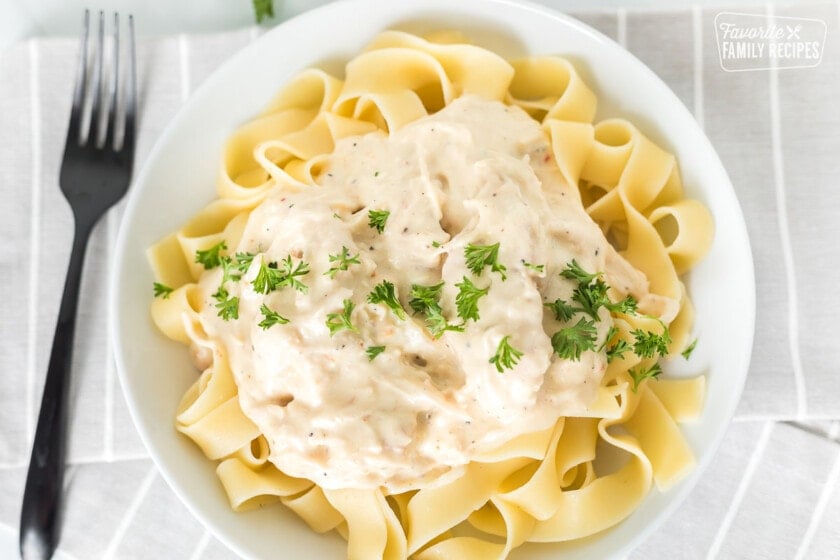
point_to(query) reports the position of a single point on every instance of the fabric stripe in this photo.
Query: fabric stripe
(697, 41)
(784, 233)
(621, 27)
(201, 546)
(738, 497)
(143, 489)
(35, 241)
(819, 510)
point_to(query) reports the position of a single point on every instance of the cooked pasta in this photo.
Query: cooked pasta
(543, 484)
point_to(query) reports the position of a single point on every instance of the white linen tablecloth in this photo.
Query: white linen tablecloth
(772, 490)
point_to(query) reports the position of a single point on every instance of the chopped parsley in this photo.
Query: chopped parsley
(535, 267)
(467, 299)
(480, 256)
(686, 354)
(271, 318)
(338, 322)
(426, 300)
(373, 351)
(342, 261)
(570, 342)
(617, 350)
(640, 374)
(210, 257)
(273, 276)
(228, 306)
(386, 293)
(562, 310)
(263, 9)
(506, 356)
(162, 290)
(573, 271)
(647, 343)
(377, 219)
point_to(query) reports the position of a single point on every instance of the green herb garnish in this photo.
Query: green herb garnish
(273, 276)
(640, 374)
(373, 351)
(228, 306)
(263, 9)
(211, 257)
(337, 322)
(506, 356)
(570, 342)
(480, 256)
(467, 299)
(162, 290)
(342, 261)
(647, 343)
(377, 219)
(686, 354)
(271, 318)
(426, 300)
(386, 293)
(562, 310)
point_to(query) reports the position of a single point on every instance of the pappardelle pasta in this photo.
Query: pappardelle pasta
(429, 296)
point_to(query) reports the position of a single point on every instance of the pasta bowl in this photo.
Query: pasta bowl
(179, 178)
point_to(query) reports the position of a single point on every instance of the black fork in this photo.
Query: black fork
(95, 174)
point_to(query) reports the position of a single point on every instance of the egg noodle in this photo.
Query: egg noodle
(546, 486)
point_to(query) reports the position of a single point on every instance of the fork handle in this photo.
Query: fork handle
(43, 491)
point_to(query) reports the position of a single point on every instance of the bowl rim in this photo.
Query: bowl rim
(115, 315)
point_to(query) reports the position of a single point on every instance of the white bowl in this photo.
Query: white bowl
(179, 178)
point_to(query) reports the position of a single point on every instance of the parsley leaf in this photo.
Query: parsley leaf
(377, 219)
(162, 290)
(373, 351)
(640, 374)
(611, 332)
(506, 356)
(228, 306)
(573, 271)
(421, 297)
(685, 353)
(271, 318)
(211, 257)
(648, 343)
(343, 261)
(337, 322)
(467, 299)
(480, 256)
(230, 270)
(386, 293)
(263, 9)
(591, 297)
(243, 261)
(570, 342)
(426, 300)
(534, 267)
(273, 276)
(617, 350)
(562, 310)
(627, 306)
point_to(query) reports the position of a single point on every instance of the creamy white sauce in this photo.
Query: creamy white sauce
(476, 172)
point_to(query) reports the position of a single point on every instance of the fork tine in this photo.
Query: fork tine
(114, 85)
(96, 84)
(130, 103)
(73, 134)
